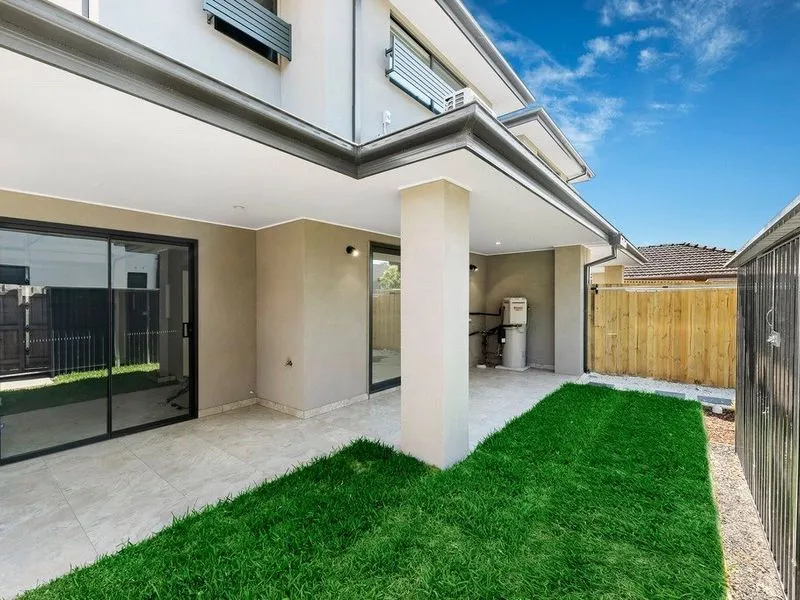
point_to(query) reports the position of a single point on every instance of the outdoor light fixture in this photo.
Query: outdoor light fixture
(473, 268)
(351, 250)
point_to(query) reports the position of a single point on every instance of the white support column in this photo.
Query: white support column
(434, 322)
(570, 299)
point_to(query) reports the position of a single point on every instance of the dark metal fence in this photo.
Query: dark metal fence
(767, 410)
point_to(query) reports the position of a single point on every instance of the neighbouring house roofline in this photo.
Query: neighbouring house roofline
(538, 113)
(57, 37)
(682, 260)
(785, 223)
(470, 27)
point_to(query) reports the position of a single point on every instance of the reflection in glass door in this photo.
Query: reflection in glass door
(150, 376)
(95, 335)
(53, 340)
(384, 371)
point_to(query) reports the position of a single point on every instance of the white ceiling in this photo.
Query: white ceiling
(68, 137)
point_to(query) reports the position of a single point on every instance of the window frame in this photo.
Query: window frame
(397, 29)
(232, 33)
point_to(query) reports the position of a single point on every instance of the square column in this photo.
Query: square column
(570, 300)
(434, 319)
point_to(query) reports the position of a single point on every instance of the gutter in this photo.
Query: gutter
(586, 287)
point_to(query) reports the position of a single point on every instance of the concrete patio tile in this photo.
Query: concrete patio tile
(111, 531)
(190, 463)
(42, 548)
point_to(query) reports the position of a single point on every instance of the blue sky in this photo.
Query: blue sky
(688, 111)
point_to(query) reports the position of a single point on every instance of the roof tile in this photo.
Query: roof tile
(682, 261)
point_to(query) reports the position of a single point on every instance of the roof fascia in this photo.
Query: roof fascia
(464, 20)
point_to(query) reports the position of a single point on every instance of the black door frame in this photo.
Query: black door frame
(109, 235)
(394, 381)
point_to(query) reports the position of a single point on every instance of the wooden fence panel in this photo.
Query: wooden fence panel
(676, 334)
(386, 320)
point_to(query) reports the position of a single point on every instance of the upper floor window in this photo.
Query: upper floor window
(254, 24)
(417, 71)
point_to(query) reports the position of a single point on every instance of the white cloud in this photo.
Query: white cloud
(708, 33)
(651, 33)
(648, 57)
(681, 107)
(585, 115)
(587, 120)
(676, 43)
(645, 126)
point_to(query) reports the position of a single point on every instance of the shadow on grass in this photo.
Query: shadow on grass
(594, 493)
(80, 387)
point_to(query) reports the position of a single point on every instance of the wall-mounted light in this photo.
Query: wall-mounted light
(351, 250)
(473, 268)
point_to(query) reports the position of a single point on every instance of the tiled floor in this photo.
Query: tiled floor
(66, 509)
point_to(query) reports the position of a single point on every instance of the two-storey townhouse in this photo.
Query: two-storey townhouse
(210, 203)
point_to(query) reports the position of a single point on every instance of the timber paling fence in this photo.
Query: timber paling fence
(685, 334)
(767, 434)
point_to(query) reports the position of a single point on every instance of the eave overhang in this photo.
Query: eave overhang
(521, 120)
(57, 37)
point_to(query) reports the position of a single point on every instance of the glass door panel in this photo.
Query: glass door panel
(384, 317)
(53, 340)
(151, 326)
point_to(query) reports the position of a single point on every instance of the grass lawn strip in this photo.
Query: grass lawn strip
(594, 493)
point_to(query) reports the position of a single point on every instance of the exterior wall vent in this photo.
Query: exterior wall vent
(463, 97)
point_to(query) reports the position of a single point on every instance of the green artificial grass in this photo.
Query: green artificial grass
(593, 494)
(81, 386)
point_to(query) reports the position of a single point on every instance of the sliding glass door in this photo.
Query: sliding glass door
(150, 375)
(95, 336)
(384, 366)
(53, 353)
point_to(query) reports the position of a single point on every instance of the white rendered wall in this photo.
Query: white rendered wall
(377, 92)
(75, 6)
(434, 310)
(317, 83)
(569, 299)
(179, 30)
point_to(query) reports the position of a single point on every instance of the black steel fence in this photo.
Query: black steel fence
(767, 411)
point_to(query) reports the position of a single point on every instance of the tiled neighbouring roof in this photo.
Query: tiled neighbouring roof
(682, 261)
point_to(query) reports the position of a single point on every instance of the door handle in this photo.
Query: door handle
(187, 329)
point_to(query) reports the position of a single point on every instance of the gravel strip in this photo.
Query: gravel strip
(720, 429)
(751, 571)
